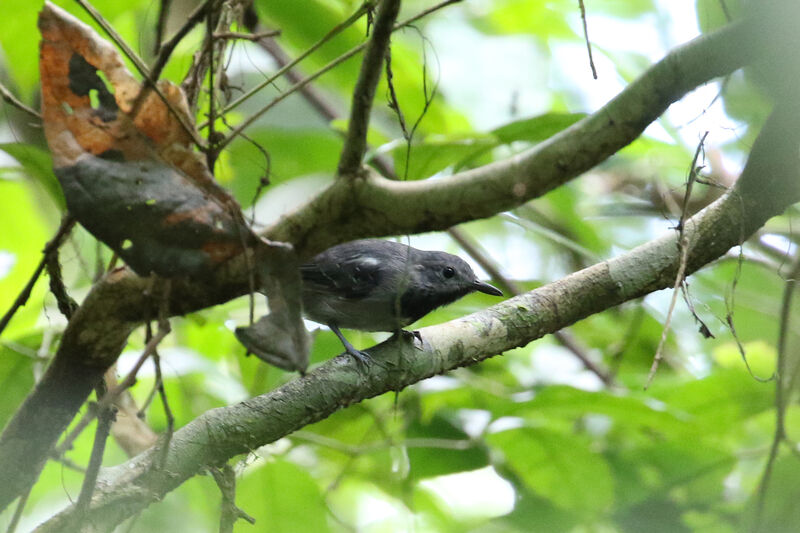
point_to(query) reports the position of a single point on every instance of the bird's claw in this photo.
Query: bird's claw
(361, 357)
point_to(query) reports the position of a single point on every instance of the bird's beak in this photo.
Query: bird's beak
(486, 288)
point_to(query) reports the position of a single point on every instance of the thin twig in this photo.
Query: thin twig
(781, 393)
(355, 450)
(67, 463)
(394, 103)
(166, 48)
(355, 143)
(586, 38)
(113, 393)
(357, 14)
(725, 11)
(63, 230)
(211, 155)
(683, 246)
(294, 88)
(334, 63)
(730, 304)
(9, 97)
(247, 36)
(229, 512)
(66, 304)
(105, 416)
(149, 82)
(161, 26)
(309, 92)
(23, 501)
(167, 410)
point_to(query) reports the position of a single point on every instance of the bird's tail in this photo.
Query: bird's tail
(279, 338)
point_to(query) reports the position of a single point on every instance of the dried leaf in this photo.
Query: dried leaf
(130, 175)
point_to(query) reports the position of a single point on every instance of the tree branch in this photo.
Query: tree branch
(355, 144)
(376, 206)
(769, 184)
(348, 209)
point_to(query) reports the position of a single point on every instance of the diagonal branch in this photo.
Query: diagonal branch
(355, 143)
(375, 206)
(769, 184)
(349, 209)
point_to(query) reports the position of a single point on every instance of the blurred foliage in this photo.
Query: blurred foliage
(531, 441)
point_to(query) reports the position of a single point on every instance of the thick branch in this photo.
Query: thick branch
(769, 183)
(375, 206)
(349, 209)
(355, 143)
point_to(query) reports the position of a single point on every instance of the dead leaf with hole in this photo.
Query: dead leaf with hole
(131, 176)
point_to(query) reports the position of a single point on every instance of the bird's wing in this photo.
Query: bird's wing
(354, 276)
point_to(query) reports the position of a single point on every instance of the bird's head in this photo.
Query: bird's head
(437, 279)
(450, 274)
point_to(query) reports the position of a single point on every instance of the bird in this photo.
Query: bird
(378, 285)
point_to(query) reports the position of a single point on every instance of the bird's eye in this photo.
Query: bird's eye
(448, 272)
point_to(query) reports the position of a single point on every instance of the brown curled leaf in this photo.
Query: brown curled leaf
(130, 175)
(133, 180)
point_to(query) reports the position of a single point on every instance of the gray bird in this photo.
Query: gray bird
(375, 285)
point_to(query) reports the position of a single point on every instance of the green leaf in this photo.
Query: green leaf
(436, 154)
(16, 379)
(558, 467)
(543, 20)
(536, 129)
(535, 514)
(282, 497)
(713, 14)
(292, 152)
(436, 461)
(23, 236)
(624, 410)
(719, 403)
(38, 165)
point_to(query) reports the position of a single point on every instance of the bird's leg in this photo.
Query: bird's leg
(361, 357)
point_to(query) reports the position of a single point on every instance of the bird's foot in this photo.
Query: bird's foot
(361, 357)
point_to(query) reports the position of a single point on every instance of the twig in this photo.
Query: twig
(357, 14)
(294, 88)
(725, 11)
(355, 144)
(213, 152)
(166, 48)
(167, 410)
(63, 230)
(246, 36)
(394, 103)
(113, 393)
(355, 450)
(9, 97)
(425, 13)
(683, 246)
(334, 63)
(730, 305)
(229, 512)
(66, 304)
(781, 394)
(586, 38)
(23, 500)
(564, 337)
(149, 82)
(105, 416)
(161, 26)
